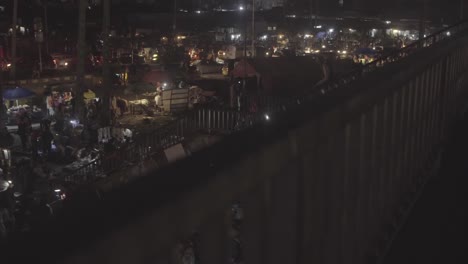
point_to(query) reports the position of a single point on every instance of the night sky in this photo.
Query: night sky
(436, 9)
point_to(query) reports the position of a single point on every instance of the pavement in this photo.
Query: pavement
(436, 230)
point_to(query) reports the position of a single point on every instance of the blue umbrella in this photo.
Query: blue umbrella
(17, 93)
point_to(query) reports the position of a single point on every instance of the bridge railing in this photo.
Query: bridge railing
(328, 182)
(428, 41)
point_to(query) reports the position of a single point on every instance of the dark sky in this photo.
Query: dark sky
(437, 9)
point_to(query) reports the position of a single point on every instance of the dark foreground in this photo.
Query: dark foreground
(436, 230)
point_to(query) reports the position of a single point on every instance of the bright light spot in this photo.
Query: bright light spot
(198, 12)
(57, 190)
(66, 63)
(267, 53)
(344, 52)
(280, 36)
(331, 30)
(424, 35)
(317, 51)
(234, 37)
(8, 65)
(10, 182)
(308, 36)
(388, 22)
(396, 31)
(164, 85)
(267, 117)
(323, 46)
(448, 33)
(319, 26)
(241, 8)
(264, 37)
(373, 48)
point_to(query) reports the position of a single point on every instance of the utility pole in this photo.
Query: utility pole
(79, 102)
(422, 26)
(13, 41)
(46, 29)
(174, 25)
(39, 37)
(316, 12)
(106, 71)
(2, 105)
(462, 9)
(253, 28)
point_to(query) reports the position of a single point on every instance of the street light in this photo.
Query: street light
(241, 8)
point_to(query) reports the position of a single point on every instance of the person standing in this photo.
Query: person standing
(73, 105)
(50, 105)
(46, 137)
(158, 97)
(327, 71)
(122, 105)
(35, 135)
(24, 129)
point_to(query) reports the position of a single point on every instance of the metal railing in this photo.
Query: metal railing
(146, 144)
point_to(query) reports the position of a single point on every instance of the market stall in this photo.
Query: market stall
(19, 100)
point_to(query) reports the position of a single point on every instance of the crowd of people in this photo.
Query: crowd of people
(29, 187)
